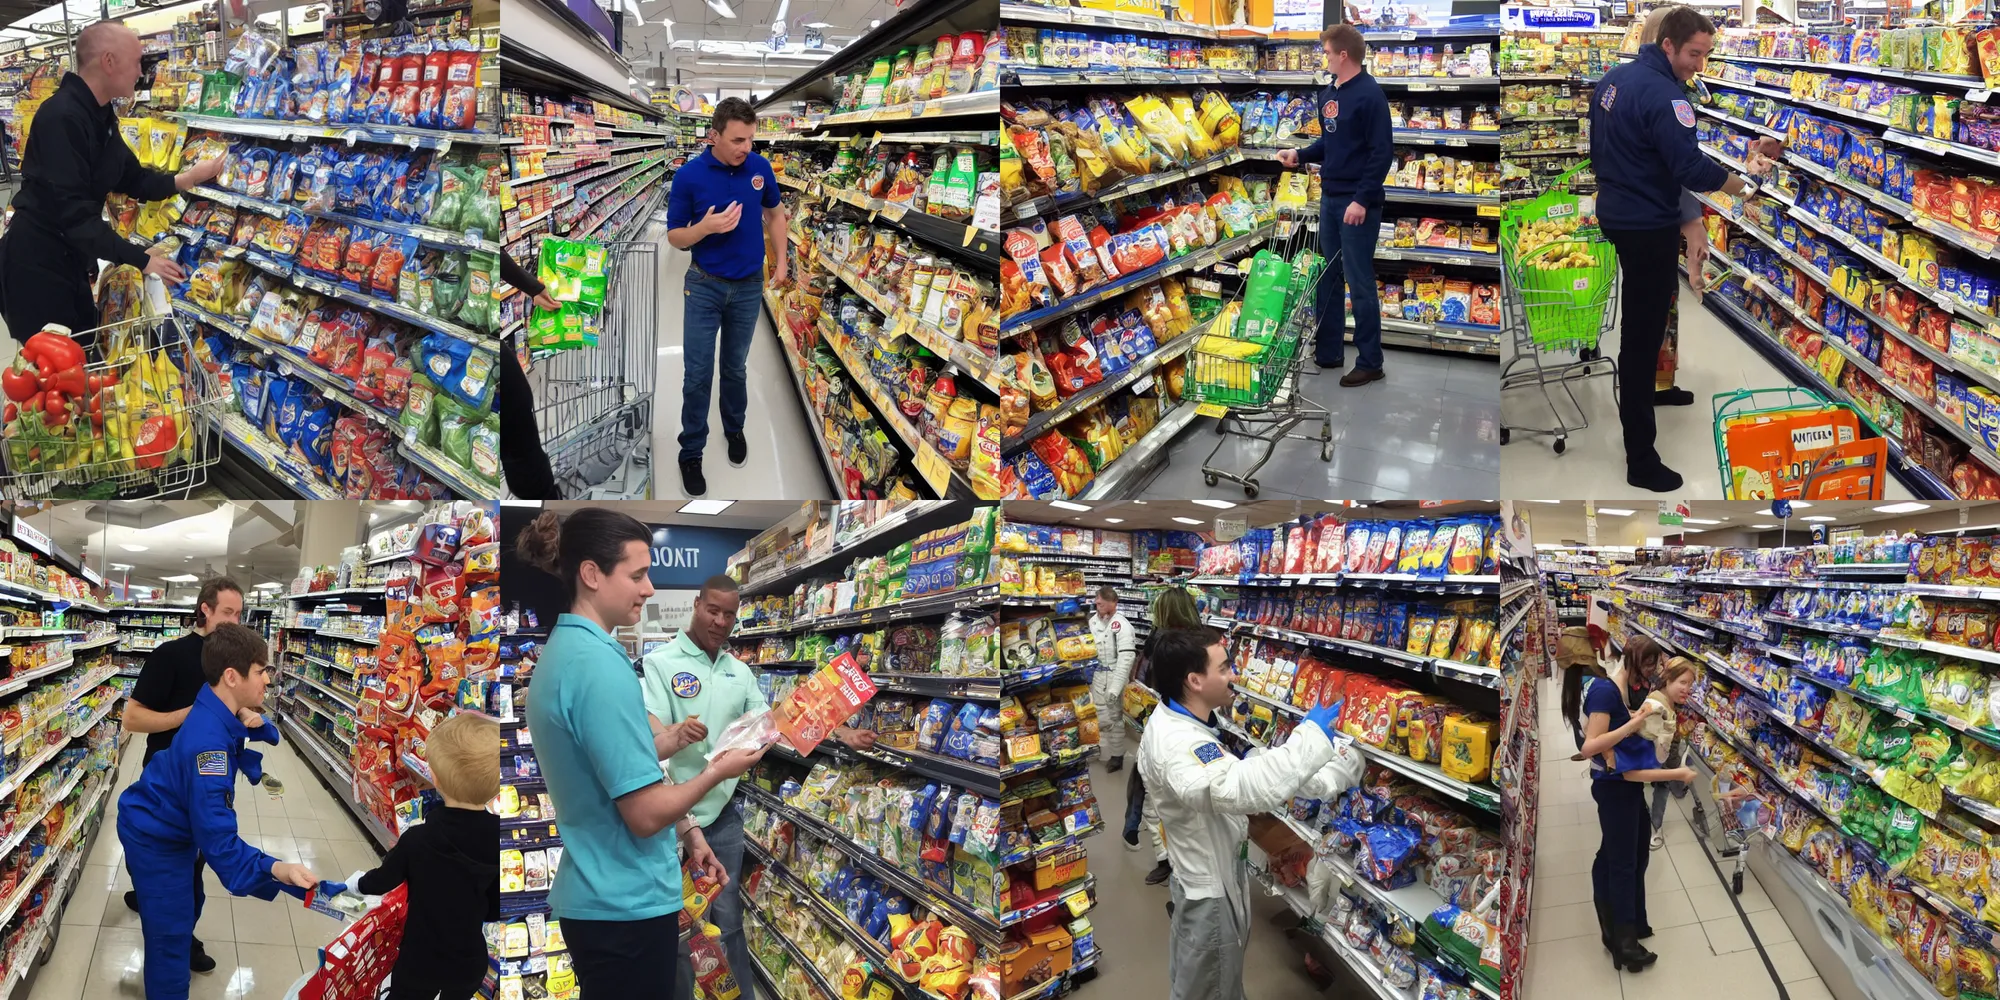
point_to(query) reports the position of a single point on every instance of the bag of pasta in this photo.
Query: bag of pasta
(1219, 119)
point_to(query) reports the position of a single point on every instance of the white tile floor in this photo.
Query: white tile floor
(1703, 945)
(1713, 359)
(260, 948)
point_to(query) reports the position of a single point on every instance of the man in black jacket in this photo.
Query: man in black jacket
(521, 454)
(73, 159)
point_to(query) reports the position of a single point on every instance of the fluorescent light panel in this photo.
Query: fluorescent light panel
(183, 578)
(1698, 520)
(1820, 517)
(1067, 505)
(1217, 504)
(1190, 520)
(132, 548)
(1114, 520)
(1617, 511)
(1907, 507)
(710, 507)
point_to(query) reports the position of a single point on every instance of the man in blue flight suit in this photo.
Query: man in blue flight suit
(181, 811)
(1354, 149)
(1643, 150)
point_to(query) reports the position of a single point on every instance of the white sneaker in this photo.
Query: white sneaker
(1659, 841)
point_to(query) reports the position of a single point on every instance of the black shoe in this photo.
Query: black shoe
(132, 900)
(1675, 396)
(1160, 873)
(198, 960)
(1657, 478)
(739, 449)
(693, 483)
(1361, 376)
(1626, 951)
(1115, 764)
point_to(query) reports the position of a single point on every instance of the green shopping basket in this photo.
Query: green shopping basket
(1564, 305)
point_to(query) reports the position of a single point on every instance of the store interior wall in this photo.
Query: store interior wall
(326, 528)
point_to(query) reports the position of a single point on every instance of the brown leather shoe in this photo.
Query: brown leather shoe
(1361, 376)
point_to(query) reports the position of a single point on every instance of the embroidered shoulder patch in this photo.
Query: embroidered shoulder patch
(1684, 113)
(1208, 753)
(685, 685)
(1610, 94)
(211, 764)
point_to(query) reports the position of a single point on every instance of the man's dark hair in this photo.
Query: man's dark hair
(1107, 593)
(1178, 652)
(231, 647)
(1345, 38)
(1683, 23)
(720, 583)
(210, 592)
(733, 109)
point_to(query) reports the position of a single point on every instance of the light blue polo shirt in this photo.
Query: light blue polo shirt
(706, 182)
(682, 681)
(588, 720)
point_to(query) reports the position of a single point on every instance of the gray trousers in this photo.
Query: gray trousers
(1205, 954)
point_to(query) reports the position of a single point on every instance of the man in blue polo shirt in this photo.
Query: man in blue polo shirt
(725, 283)
(1354, 149)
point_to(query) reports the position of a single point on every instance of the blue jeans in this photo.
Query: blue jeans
(1356, 279)
(711, 303)
(725, 838)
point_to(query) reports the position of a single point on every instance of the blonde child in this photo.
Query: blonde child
(1671, 689)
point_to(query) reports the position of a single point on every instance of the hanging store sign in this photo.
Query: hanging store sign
(32, 537)
(1516, 18)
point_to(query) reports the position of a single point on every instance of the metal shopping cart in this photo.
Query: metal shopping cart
(1559, 296)
(1251, 380)
(73, 460)
(595, 406)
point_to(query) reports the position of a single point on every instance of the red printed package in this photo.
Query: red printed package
(409, 87)
(461, 91)
(1055, 264)
(431, 96)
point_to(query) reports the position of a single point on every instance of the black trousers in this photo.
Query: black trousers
(38, 287)
(1648, 259)
(1618, 875)
(521, 456)
(417, 988)
(624, 959)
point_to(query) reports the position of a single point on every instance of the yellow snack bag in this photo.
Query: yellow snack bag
(1468, 748)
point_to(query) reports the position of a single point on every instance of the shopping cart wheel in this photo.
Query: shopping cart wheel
(1589, 354)
(1250, 490)
(1210, 479)
(1736, 882)
(1505, 434)
(1562, 443)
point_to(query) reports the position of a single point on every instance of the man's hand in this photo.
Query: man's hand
(703, 858)
(720, 220)
(199, 174)
(688, 733)
(1355, 215)
(859, 739)
(1288, 157)
(293, 873)
(780, 273)
(169, 271)
(1769, 147)
(1697, 254)
(736, 763)
(548, 302)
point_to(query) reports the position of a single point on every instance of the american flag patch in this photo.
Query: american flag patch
(212, 763)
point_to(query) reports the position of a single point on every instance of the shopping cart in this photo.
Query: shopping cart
(1741, 814)
(1553, 308)
(38, 462)
(595, 406)
(1252, 384)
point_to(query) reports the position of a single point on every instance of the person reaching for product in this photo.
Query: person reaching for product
(1173, 609)
(1205, 794)
(169, 681)
(48, 259)
(1643, 151)
(1354, 149)
(451, 862)
(521, 452)
(1113, 636)
(695, 689)
(618, 890)
(181, 813)
(724, 288)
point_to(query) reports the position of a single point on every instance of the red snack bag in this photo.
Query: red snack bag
(431, 96)
(461, 91)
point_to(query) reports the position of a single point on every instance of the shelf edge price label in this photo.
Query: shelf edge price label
(932, 467)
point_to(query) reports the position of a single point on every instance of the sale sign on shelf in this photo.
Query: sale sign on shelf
(824, 700)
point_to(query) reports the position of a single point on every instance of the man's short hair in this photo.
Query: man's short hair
(1107, 593)
(95, 40)
(1178, 652)
(720, 583)
(464, 755)
(231, 647)
(733, 109)
(1345, 38)
(1682, 24)
(210, 593)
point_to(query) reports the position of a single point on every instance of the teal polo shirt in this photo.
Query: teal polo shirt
(706, 182)
(594, 745)
(682, 681)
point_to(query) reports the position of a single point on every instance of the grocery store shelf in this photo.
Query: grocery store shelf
(945, 479)
(982, 103)
(799, 958)
(300, 131)
(956, 237)
(1052, 205)
(907, 522)
(1024, 322)
(899, 319)
(1122, 476)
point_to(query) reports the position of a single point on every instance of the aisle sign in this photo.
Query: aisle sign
(32, 536)
(1673, 512)
(1590, 524)
(684, 556)
(1229, 529)
(824, 700)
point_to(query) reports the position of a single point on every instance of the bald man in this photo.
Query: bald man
(74, 158)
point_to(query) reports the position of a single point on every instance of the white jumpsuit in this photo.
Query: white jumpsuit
(1204, 795)
(1115, 650)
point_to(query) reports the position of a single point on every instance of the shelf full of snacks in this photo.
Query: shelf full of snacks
(375, 653)
(1547, 81)
(1856, 260)
(44, 861)
(528, 949)
(928, 624)
(890, 180)
(343, 266)
(1310, 635)
(1530, 630)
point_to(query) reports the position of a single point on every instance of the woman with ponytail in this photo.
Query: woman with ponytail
(618, 891)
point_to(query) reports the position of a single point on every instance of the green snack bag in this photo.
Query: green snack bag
(486, 448)
(448, 287)
(481, 269)
(565, 279)
(596, 275)
(1264, 298)
(420, 411)
(454, 421)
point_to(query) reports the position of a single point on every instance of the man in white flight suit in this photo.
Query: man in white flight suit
(1205, 794)
(1115, 650)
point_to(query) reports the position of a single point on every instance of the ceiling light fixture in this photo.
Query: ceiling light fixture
(183, 578)
(132, 548)
(520, 503)
(1798, 504)
(1114, 520)
(1066, 505)
(1217, 504)
(1760, 527)
(721, 8)
(707, 507)
(1189, 520)
(1907, 507)
(1617, 511)
(1698, 520)
(1820, 517)
(121, 566)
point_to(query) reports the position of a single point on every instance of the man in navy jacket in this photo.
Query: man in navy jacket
(1643, 150)
(1354, 151)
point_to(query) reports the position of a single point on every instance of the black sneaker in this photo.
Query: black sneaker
(1656, 477)
(1131, 839)
(132, 900)
(739, 449)
(693, 483)
(1160, 872)
(198, 960)
(1115, 764)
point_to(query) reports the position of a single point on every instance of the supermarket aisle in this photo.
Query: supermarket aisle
(1430, 429)
(260, 948)
(783, 463)
(1713, 359)
(1130, 921)
(1702, 942)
